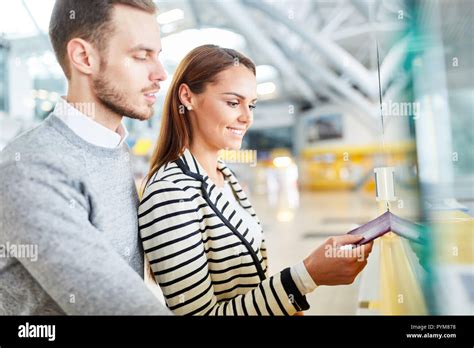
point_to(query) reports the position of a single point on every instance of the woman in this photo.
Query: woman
(199, 231)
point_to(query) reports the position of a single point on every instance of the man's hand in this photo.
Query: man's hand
(331, 265)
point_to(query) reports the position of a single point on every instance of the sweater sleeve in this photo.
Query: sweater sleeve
(76, 265)
(172, 239)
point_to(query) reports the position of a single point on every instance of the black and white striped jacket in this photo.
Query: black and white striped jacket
(201, 256)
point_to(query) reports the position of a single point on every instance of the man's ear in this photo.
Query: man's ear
(186, 96)
(82, 56)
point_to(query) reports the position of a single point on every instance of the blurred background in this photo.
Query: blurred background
(308, 161)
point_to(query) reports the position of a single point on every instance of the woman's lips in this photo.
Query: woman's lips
(237, 131)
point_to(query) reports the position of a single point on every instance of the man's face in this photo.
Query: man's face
(130, 71)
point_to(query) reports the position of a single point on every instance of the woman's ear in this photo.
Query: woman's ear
(186, 96)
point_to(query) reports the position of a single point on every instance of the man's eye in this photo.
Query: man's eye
(232, 104)
(252, 107)
(140, 58)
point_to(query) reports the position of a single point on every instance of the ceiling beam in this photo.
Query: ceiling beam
(365, 110)
(243, 22)
(393, 61)
(333, 53)
(338, 19)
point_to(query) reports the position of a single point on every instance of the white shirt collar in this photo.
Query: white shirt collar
(86, 128)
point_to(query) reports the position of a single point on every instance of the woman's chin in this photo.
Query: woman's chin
(232, 145)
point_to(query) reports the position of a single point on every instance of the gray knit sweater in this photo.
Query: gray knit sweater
(68, 228)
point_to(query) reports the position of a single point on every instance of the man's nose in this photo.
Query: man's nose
(158, 73)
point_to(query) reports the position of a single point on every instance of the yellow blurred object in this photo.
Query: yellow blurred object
(282, 161)
(453, 234)
(280, 152)
(400, 291)
(349, 167)
(142, 147)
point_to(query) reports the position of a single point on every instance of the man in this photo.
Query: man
(66, 187)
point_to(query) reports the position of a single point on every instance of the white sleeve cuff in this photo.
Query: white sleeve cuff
(302, 278)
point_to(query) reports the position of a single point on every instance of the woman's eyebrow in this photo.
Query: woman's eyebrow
(238, 95)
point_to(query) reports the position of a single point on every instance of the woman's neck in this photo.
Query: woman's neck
(207, 158)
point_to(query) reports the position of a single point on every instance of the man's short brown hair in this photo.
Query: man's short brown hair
(90, 20)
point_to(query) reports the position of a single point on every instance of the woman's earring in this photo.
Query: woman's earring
(189, 107)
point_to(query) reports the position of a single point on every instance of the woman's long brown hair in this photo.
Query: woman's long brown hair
(197, 69)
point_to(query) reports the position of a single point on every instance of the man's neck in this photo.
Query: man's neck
(98, 112)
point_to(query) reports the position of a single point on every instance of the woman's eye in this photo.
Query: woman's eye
(232, 104)
(252, 107)
(140, 58)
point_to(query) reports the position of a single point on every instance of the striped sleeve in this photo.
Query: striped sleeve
(263, 251)
(172, 239)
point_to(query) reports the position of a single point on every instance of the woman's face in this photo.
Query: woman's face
(224, 111)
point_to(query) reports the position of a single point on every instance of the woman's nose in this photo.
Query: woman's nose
(246, 115)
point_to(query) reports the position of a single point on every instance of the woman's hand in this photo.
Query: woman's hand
(331, 265)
